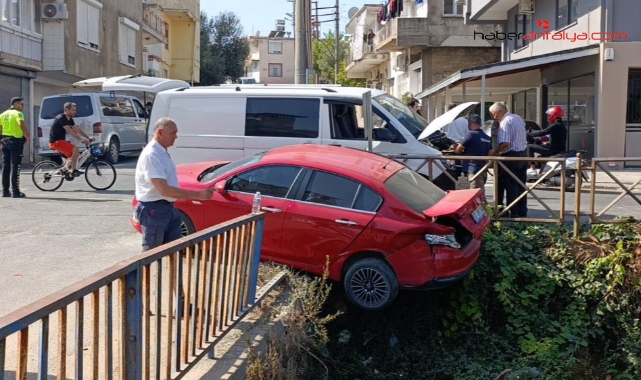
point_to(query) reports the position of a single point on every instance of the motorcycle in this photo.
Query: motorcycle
(552, 171)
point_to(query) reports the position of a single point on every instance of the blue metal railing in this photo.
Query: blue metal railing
(172, 305)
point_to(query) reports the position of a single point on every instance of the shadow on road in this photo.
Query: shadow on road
(75, 199)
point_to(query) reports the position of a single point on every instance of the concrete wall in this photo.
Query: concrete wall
(625, 18)
(613, 81)
(439, 63)
(86, 63)
(589, 21)
(184, 37)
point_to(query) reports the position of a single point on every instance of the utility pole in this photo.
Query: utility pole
(338, 50)
(300, 40)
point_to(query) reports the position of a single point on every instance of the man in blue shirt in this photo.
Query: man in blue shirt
(475, 143)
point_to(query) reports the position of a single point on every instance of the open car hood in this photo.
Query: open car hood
(137, 83)
(445, 119)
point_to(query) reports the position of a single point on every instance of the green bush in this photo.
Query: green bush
(538, 304)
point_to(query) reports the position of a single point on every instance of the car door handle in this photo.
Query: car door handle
(271, 209)
(346, 222)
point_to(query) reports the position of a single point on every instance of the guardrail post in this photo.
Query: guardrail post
(132, 344)
(253, 282)
(578, 183)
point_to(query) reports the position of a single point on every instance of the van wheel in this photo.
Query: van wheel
(370, 284)
(113, 152)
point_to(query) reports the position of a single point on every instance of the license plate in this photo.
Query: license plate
(478, 214)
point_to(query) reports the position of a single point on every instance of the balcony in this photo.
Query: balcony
(360, 68)
(490, 10)
(153, 28)
(255, 56)
(181, 10)
(20, 49)
(385, 40)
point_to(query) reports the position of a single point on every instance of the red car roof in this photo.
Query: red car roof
(338, 158)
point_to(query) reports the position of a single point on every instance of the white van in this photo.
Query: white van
(229, 122)
(118, 121)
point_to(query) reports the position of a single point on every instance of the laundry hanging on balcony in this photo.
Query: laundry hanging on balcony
(391, 9)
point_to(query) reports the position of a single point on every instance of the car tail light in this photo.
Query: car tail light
(39, 132)
(97, 128)
(448, 240)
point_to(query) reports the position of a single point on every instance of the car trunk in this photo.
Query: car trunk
(463, 210)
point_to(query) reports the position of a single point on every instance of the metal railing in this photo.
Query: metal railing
(150, 317)
(559, 214)
(386, 34)
(155, 22)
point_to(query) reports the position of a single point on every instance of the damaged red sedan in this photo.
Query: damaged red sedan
(381, 225)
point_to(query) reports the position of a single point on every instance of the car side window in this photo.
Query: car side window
(367, 200)
(330, 189)
(118, 106)
(282, 117)
(273, 181)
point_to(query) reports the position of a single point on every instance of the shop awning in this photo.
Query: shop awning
(509, 67)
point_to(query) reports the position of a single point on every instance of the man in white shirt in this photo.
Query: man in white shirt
(157, 188)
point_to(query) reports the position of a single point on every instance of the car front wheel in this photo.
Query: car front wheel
(370, 284)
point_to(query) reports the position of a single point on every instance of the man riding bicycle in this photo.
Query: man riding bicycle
(62, 125)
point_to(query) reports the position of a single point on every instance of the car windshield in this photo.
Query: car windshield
(218, 170)
(414, 190)
(412, 121)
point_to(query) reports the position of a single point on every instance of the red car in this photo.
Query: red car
(382, 225)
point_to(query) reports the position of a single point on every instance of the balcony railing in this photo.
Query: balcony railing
(386, 35)
(155, 23)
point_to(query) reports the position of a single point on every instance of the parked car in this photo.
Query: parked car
(117, 121)
(381, 225)
(228, 122)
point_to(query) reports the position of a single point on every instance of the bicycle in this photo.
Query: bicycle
(50, 173)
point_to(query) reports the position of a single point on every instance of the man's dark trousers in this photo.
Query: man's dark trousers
(512, 188)
(12, 151)
(160, 223)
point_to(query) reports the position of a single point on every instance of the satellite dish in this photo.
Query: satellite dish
(352, 12)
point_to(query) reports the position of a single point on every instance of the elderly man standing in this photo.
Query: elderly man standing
(157, 188)
(512, 140)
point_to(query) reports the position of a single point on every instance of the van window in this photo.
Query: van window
(118, 106)
(52, 107)
(414, 123)
(282, 117)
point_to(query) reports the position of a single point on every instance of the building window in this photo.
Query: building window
(566, 12)
(21, 13)
(88, 19)
(524, 104)
(634, 97)
(451, 8)
(275, 69)
(522, 27)
(275, 47)
(127, 41)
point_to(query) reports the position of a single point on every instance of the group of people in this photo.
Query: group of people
(15, 134)
(512, 140)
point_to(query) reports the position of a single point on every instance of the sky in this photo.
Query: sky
(261, 15)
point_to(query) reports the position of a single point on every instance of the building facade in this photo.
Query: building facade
(271, 60)
(414, 46)
(583, 55)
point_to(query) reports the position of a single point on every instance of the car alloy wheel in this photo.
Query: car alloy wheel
(371, 284)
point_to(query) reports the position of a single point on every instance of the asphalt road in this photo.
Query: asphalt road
(51, 240)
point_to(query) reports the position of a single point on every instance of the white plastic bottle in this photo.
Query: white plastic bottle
(256, 204)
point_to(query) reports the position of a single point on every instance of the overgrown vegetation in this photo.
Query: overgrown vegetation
(538, 305)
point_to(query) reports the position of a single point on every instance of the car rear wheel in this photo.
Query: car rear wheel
(370, 284)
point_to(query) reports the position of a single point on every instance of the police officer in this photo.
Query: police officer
(14, 136)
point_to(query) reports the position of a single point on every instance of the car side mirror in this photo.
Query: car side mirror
(221, 187)
(383, 134)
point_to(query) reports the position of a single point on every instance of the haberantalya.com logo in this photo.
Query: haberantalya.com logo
(556, 36)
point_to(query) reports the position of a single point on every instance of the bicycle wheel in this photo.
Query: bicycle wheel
(46, 176)
(100, 175)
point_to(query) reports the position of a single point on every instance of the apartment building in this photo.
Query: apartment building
(414, 46)
(171, 39)
(583, 55)
(271, 60)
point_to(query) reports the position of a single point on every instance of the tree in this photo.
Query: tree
(324, 53)
(224, 49)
